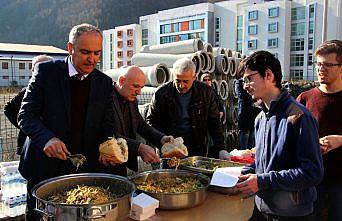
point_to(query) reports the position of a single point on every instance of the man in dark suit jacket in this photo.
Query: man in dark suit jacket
(127, 116)
(67, 109)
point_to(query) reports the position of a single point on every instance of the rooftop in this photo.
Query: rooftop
(25, 48)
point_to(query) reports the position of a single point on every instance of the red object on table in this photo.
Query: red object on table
(241, 159)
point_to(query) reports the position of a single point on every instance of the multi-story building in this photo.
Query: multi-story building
(179, 24)
(119, 45)
(290, 29)
(16, 61)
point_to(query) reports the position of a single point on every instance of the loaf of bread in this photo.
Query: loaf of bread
(174, 149)
(115, 150)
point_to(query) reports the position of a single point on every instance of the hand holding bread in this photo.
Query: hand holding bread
(174, 149)
(114, 150)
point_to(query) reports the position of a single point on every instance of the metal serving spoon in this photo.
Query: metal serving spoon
(77, 160)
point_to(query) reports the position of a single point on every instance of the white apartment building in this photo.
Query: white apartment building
(119, 45)
(290, 29)
(16, 61)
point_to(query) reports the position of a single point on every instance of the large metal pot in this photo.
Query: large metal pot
(117, 209)
(173, 201)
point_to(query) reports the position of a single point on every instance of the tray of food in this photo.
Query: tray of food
(175, 189)
(206, 165)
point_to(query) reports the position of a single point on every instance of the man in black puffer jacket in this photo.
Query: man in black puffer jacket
(187, 108)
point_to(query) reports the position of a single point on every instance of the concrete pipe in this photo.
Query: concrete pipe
(179, 47)
(212, 63)
(113, 73)
(236, 138)
(236, 54)
(232, 115)
(232, 92)
(156, 75)
(223, 89)
(146, 95)
(221, 64)
(218, 50)
(149, 59)
(228, 52)
(230, 140)
(237, 63)
(224, 118)
(218, 76)
(204, 60)
(208, 48)
(215, 84)
(232, 66)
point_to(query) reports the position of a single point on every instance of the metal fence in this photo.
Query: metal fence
(8, 133)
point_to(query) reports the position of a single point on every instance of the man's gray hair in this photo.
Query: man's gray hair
(183, 65)
(78, 30)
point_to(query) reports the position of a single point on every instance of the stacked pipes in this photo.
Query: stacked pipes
(156, 62)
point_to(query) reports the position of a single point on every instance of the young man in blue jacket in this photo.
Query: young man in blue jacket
(288, 163)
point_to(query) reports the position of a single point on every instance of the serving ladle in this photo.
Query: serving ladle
(77, 160)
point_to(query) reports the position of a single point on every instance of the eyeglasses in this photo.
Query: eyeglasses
(325, 65)
(206, 79)
(246, 79)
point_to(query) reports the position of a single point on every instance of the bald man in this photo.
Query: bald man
(129, 121)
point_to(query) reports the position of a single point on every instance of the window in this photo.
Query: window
(4, 65)
(252, 29)
(129, 53)
(273, 12)
(296, 74)
(120, 44)
(5, 77)
(310, 43)
(30, 66)
(272, 43)
(252, 44)
(298, 13)
(273, 27)
(119, 53)
(21, 77)
(175, 27)
(198, 24)
(217, 23)
(129, 63)
(191, 25)
(310, 59)
(252, 15)
(217, 36)
(311, 11)
(240, 21)
(311, 27)
(298, 29)
(239, 47)
(119, 34)
(184, 26)
(120, 63)
(297, 44)
(239, 34)
(130, 32)
(144, 42)
(21, 66)
(297, 60)
(129, 43)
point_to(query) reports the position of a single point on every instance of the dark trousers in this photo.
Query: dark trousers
(30, 204)
(259, 216)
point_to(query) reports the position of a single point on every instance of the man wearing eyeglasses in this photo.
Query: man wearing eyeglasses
(288, 163)
(325, 102)
(187, 108)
